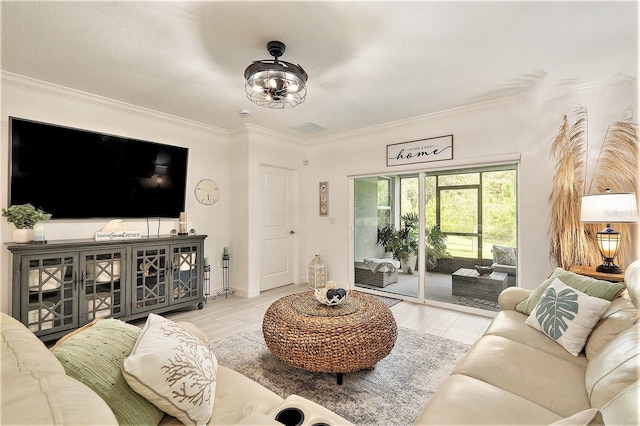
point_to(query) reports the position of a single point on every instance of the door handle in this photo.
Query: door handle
(292, 232)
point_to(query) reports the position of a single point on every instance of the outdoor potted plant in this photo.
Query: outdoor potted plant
(402, 243)
(436, 246)
(24, 217)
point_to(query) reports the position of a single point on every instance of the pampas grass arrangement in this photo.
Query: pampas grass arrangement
(616, 168)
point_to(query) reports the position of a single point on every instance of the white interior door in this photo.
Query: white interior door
(277, 227)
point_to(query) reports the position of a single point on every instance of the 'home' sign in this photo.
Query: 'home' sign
(420, 151)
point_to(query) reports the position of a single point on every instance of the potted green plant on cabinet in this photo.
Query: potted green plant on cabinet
(24, 217)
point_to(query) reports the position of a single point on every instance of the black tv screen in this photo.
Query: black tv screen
(78, 174)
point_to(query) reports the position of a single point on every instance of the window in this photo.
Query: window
(408, 195)
(474, 209)
(384, 202)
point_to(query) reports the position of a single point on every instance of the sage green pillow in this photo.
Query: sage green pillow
(590, 286)
(94, 356)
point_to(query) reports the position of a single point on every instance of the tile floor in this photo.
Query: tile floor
(227, 316)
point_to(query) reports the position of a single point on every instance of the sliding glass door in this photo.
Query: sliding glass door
(386, 234)
(444, 223)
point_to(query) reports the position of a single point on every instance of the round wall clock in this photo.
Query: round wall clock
(207, 192)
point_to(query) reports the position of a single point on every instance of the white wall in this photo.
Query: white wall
(520, 127)
(251, 148)
(208, 158)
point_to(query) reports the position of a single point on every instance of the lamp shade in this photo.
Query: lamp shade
(609, 208)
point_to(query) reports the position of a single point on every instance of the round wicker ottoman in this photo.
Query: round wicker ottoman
(308, 335)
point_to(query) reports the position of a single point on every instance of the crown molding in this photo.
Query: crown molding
(556, 92)
(50, 89)
(249, 130)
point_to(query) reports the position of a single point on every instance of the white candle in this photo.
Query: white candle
(38, 232)
(182, 223)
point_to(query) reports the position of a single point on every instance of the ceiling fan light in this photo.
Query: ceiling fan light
(273, 83)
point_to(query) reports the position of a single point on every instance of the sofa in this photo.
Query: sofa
(83, 380)
(516, 374)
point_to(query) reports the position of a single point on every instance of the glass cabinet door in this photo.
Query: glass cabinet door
(150, 278)
(186, 274)
(51, 283)
(101, 284)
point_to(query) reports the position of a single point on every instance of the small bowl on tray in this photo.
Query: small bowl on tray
(484, 270)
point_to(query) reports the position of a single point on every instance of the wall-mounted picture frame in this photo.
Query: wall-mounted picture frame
(324, 198)
(420, 151)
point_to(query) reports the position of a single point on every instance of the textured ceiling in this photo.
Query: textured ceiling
(368, 62)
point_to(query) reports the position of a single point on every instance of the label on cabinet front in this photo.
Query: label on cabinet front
(118, 235)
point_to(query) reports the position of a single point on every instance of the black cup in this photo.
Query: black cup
(290, 416)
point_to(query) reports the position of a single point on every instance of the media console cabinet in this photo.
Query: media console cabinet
(62, 285)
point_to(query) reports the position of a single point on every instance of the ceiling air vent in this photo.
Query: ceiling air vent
(308, 128)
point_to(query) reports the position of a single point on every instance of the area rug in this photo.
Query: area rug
(392, 393)
(389, 301)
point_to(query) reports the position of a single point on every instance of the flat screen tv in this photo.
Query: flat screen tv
(79, 174)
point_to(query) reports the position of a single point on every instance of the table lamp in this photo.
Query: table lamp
(609, 208)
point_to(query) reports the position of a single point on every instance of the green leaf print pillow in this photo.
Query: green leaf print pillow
(566, 315)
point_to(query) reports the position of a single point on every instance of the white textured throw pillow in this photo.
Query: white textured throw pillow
(567, 315)
(173, 370)
(504, 255)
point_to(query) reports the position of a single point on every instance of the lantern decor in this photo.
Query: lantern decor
(317, 273)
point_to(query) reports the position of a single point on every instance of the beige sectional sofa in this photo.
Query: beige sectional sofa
(35, 389)
(516, 375)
